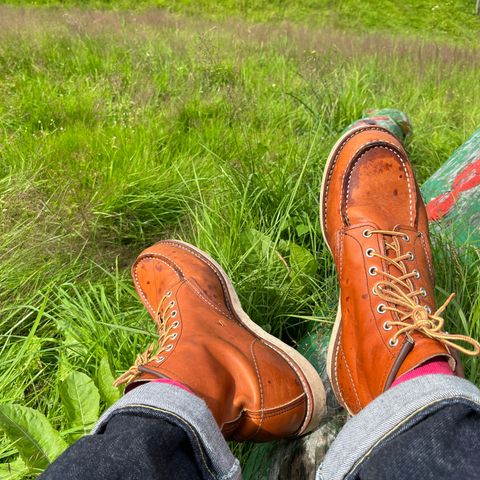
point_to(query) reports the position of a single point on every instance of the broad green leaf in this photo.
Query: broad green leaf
(32, 435)
(13, 470)
(302, 261)
(302, 229)
(259, 248)
(81, 402)
(105, 380)
(256, 244)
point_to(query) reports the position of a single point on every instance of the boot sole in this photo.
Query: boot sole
(312, 382)
(329, 165)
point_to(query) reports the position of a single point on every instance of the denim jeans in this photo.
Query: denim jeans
(134, 445)
(425, 428)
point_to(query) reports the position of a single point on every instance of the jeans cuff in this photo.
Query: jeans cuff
(394, 411)
(183, 406)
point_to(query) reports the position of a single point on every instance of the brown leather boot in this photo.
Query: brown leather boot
(375, 224)
(257, 387)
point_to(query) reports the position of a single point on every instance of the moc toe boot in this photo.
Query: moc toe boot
(375, 225)
(257, 387)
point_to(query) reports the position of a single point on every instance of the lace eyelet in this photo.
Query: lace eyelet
(372, 271)
(411, 256)
(428, 309)
(423, 292)
(175, 324)
(406, 238)
(174, 313)
(393, 343)
(417, 273)
(168, 294)
(160, 359)
(374, 291)
(171, 304)
(367, 233)
(381, 308)
(169, 347)
(173, 336)
(387, 326)
(369, 252)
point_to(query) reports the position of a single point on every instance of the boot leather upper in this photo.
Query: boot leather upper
(253, 391)
(371, 186)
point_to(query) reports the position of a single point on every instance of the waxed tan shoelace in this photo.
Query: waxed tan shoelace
(399, 292)
(156, 348)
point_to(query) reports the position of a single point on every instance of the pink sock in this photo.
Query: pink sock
(432, 366)
(171, 382)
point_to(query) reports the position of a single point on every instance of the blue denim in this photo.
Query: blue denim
(134, 445)
(444, 444)
(425, 428)
(155, 431)
(403, 408)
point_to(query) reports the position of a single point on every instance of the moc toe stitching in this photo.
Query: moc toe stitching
(365, 149)
(162, 258)
(207, 262)
(357, 156)
(334, 161)
(137, 281)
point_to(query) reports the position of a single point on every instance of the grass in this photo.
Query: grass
(122, 128)
(449, 21)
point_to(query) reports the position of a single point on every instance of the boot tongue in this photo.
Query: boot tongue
(377, 213)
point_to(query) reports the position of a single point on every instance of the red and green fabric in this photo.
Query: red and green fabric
(452, 194)
(395, 121)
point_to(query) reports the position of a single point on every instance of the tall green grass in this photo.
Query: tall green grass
(120, 129)
(452, 21)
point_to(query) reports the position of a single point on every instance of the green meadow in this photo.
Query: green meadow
(208, 122)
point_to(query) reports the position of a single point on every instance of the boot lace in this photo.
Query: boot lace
(400, 296)
(154, 351)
